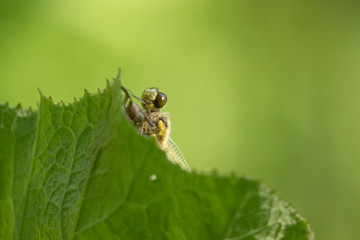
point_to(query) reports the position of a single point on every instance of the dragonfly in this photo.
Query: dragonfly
(150, 121)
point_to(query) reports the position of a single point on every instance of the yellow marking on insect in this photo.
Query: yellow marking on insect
(151, 106)
(162, 129)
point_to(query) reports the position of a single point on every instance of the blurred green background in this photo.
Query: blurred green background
(269, 89)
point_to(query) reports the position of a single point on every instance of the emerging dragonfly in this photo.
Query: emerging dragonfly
(152, 122)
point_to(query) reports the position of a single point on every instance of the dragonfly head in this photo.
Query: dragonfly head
(154, 99)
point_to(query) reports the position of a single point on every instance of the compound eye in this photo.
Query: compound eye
(160, 100)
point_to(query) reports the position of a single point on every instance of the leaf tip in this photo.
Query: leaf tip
(41, 94)
(86, 92)
(215, 172)
(18, 106)
(117, 78)
(107, 83)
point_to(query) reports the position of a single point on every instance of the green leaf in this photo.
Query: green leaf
(81, 171)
